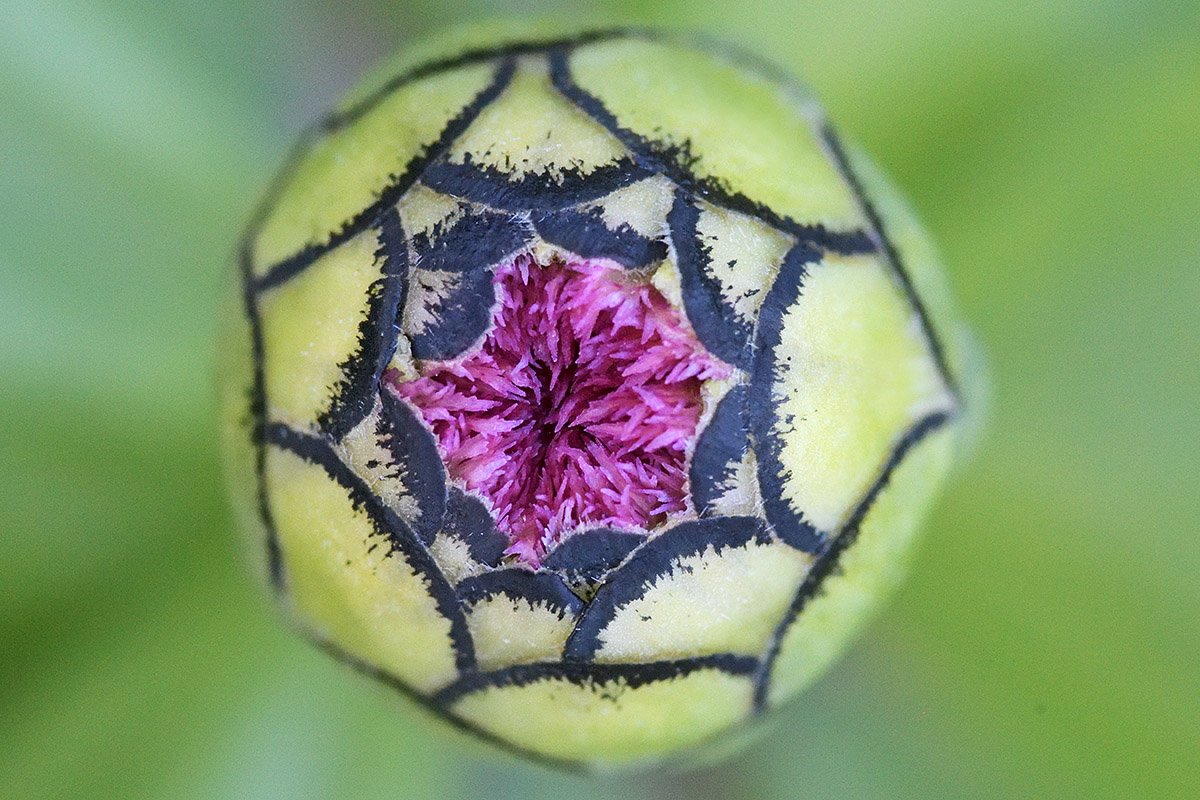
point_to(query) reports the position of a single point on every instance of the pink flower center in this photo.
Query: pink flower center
(579, 408)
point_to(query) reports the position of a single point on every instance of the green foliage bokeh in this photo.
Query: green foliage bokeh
(1048, 644)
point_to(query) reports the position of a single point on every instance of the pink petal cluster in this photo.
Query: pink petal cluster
(579, 407)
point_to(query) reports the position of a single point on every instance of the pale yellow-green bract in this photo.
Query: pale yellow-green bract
(727, 190)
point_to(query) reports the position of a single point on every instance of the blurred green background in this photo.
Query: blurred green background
(1048, 644)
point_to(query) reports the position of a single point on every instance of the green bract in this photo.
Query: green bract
(665, 202)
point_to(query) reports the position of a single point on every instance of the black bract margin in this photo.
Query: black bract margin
(515, 583)
(789, 523)
(720, 448)
(595, 675)
(387, 525)
(353, 397)
(407, 439)
(826, 563)
(656, 559)
(468, 250)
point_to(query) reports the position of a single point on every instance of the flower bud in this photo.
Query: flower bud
(587, 389)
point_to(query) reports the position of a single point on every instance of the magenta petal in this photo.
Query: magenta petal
(578, 408)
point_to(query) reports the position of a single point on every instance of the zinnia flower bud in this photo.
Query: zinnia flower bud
(589, 390)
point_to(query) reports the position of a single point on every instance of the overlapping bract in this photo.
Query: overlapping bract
(727, 206)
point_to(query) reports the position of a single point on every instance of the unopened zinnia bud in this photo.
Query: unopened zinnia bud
(589, 389)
